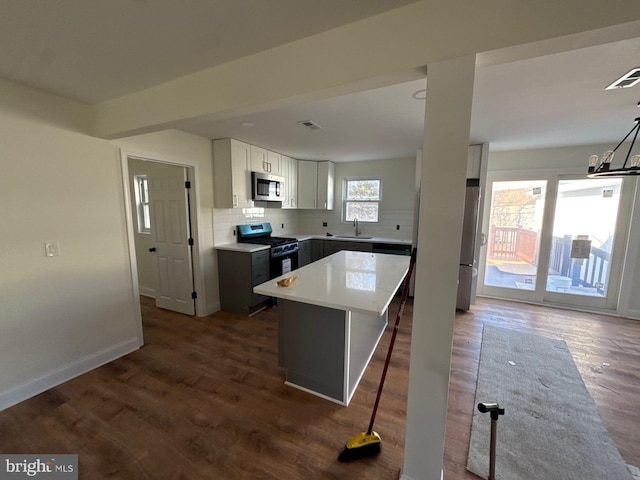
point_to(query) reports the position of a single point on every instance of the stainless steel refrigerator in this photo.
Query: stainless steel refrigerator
(468, 271)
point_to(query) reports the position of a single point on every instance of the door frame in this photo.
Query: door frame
(194, 210)
(540, 295)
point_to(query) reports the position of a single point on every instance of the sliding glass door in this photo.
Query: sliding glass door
(513, 239)
(555, 240)
(585, 232)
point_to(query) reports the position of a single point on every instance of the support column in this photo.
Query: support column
(444, 165)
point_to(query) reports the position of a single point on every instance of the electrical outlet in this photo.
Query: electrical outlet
(324, 224)
(397, 227)
(283, 225)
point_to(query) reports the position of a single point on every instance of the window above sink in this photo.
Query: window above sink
(361, 200)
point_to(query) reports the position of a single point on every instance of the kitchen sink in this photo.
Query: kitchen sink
(353, 236)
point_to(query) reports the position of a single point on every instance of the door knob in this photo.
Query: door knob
(152, 249)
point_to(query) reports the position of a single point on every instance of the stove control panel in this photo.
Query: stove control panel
(282, 250)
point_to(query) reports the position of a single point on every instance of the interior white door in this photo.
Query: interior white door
(169, 207)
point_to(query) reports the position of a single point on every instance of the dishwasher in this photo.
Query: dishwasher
(393, 249)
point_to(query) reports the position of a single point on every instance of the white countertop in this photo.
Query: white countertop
(308, 236)
(358, 281)
(250, 247)
(242, 247)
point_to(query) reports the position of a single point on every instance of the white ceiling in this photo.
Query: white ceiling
(96, 50)
(92, 51)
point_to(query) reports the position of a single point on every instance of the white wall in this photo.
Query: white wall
(60, 316)
(573, 160)
(561, 159)
(396, 207)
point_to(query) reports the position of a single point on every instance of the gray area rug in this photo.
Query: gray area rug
(551, 428)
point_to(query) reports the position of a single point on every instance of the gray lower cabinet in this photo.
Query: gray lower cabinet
(333, 246)
(238, 273)
(304, 253)
(317, 249)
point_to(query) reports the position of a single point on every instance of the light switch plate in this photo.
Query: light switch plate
(51, 249)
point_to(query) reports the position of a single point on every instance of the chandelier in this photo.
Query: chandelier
(602, 167)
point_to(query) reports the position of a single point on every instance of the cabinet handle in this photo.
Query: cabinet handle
(235, 200)
(325, 205)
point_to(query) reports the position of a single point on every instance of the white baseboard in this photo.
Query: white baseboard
(55, 377)
(147, 291)
(634, 314)
(406, 477)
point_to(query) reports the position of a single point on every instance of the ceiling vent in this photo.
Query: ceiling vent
(627, 80)
(310, 124)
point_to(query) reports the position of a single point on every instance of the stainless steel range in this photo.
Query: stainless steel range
(283, 252)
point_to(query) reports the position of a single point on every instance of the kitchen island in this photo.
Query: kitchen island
(332, 317)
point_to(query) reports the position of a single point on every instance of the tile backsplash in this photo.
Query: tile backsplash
(397, 224)
(286, 222)
(282, 221)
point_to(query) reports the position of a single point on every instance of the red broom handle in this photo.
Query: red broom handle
(403, 300)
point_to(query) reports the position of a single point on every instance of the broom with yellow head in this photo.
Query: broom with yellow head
(369, 443)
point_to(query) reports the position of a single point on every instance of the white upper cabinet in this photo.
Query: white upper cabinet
(315, 184)
(307, 184)
(289, 170)
(293, 183)
(232, 173)
(263, 160)
(326, 175)
(274, 162)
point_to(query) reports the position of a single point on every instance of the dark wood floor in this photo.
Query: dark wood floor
(204, 398)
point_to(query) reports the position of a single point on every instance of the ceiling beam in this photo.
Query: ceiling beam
(341, 59)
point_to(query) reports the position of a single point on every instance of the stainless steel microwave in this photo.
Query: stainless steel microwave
(266, 187)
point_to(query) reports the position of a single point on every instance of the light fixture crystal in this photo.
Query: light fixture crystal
(603, 167)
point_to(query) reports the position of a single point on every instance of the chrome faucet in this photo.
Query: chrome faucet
(355, 224)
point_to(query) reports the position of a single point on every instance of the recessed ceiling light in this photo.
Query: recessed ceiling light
(629, 79)
(248, 124)
(420, 94)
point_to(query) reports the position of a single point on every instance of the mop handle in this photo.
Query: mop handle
(403, 300)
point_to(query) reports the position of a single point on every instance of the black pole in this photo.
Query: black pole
(496, 411)
(492, 449)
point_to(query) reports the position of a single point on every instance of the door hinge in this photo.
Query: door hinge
(194, 295)
(191, 242)
(187, 184)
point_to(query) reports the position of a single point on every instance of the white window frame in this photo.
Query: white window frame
(346, 201)
(142, 201)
